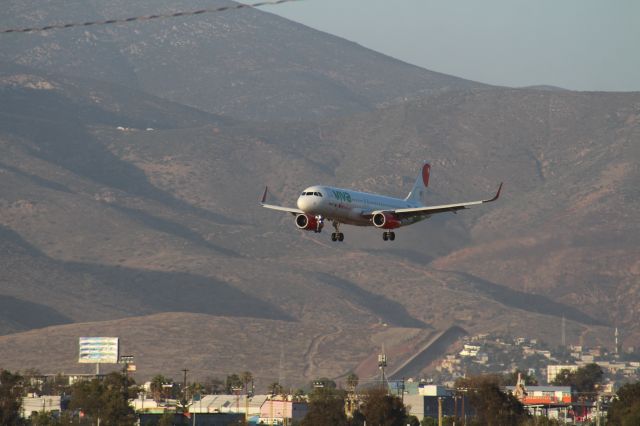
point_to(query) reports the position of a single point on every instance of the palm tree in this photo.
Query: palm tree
(276, 388)
(157, 387)
(246, 378)
(352, 381)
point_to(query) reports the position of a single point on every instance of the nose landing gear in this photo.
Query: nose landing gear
(337, 236)
(389, 235)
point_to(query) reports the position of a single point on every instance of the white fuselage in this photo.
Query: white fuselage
(346, 206)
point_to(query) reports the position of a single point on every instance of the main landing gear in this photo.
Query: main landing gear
(337, 236)
(388, 235)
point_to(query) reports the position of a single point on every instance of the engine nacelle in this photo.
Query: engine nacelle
(309, 222)
(386, 221)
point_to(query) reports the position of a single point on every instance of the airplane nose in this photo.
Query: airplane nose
(303, 203)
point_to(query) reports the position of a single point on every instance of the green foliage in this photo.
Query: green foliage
(584, 379)
(323, 382)
(275, 388)
(493, 407)
(246, 377)
(352, 381)
(107, 399)
(233, 381)
(625, 410)
(326, 408)
(11, 390)
(382, 409)
(44, 419)
(158, 391)
(57, 385)
(412, 421)
(213, 385)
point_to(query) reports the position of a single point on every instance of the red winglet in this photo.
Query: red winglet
(264, 196)
(426, 171)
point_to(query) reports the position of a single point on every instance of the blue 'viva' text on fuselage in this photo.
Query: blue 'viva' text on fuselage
(342, 196)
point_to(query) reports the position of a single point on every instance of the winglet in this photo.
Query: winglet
(497, 194)
(264, 196)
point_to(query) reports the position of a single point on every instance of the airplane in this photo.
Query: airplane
(343, 206)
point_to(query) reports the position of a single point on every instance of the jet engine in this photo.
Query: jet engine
(309, 222)
(386, 220)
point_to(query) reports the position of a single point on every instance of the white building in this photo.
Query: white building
(38, 404)
(554, 370)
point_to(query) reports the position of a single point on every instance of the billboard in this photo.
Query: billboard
(98, 350)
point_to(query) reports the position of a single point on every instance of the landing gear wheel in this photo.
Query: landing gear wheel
(392, 235)
(337, 236)
(385, 236)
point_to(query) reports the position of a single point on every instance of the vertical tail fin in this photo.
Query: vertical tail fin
(422, 182)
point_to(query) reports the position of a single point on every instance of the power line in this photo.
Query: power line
(145, 18)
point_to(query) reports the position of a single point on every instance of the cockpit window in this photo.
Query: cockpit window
(319, 194)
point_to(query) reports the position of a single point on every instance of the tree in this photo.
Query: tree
(213, 385)
(106, 399)
(584, 379)
(352, 381)
(246, 378)
(412, 421)
(158, 387)
(625, 409)
(43, 419)
(493, 407)
(233, 381)
(275, 388)
(379, 408)
(324, 382)
(11, 390)
(119, 389)
(326, 408)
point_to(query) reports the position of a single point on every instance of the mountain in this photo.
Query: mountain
(245, 64)
(117, 205)
(129, 199)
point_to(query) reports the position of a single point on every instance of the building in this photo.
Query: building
(208, 419)
(545, 395)
(470, 350)
(426, 403)
(244, 404)
(37, 404)
(278, 410)
(554, 370)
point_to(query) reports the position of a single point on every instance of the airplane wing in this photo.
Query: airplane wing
(428, 211)
(279, 208)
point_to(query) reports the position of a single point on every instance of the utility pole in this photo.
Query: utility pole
(382, 364)
(455, 407)
(184, 388)
(439, 411)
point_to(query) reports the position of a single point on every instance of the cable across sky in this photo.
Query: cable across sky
(145, 18)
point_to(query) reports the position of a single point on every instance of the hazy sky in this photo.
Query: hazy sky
(575, 44)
